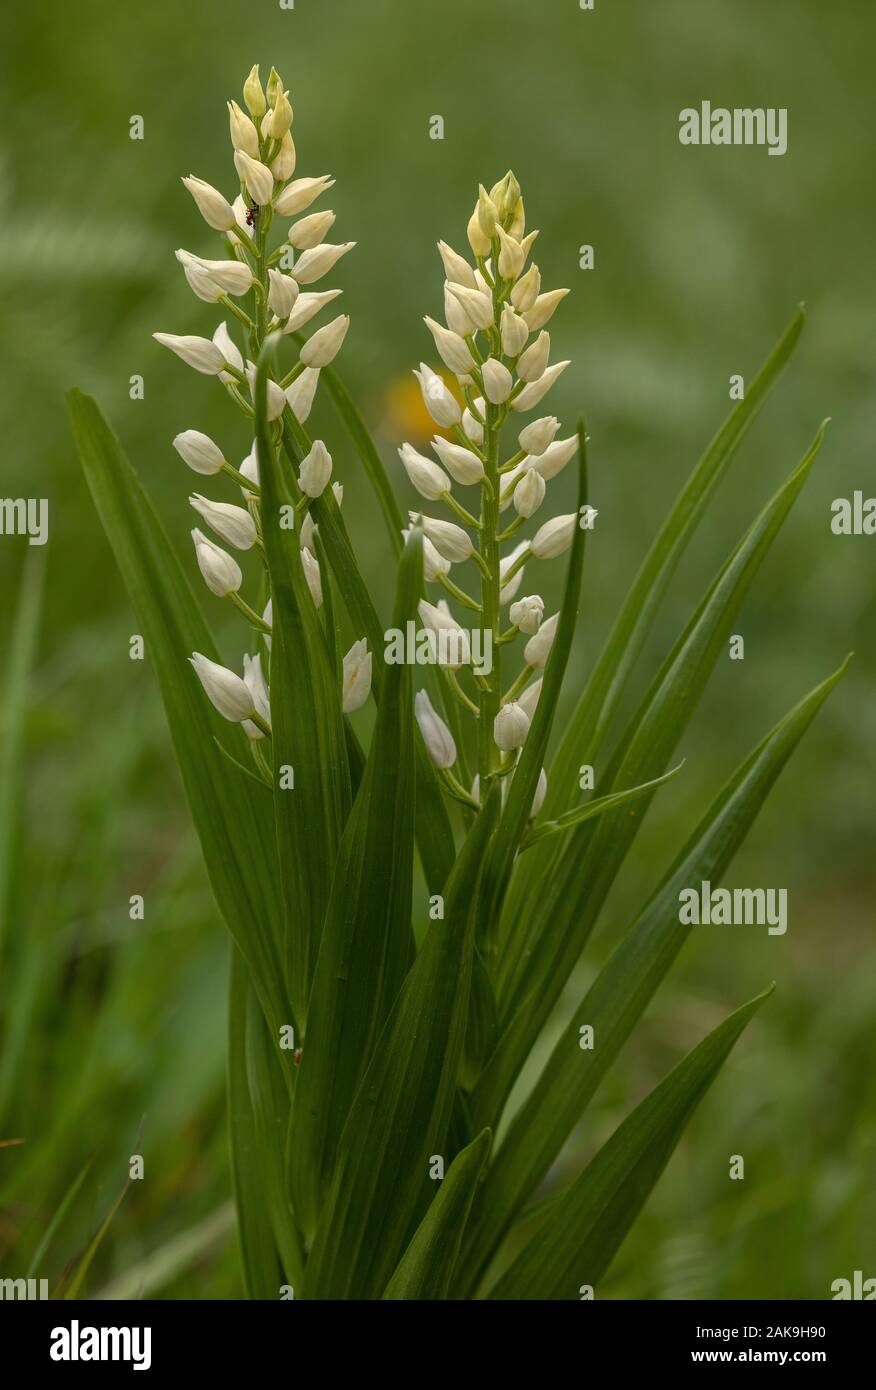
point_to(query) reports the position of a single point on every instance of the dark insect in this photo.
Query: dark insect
(252, 214)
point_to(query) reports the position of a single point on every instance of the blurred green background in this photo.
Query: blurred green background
(112, 1030)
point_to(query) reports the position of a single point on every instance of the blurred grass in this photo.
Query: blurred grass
(112, 1030)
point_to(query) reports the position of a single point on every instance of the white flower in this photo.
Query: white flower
(472, 427)
(338, 490)
(476, 303)
(456, 268)
(434, 564)
(297, 196)
(540, 794)
(556, 456)
(301, 393)
(514, 332)
(225, 690)
(440, 403)
(200, 353)
(508, 482)
(477, 238)
(357, 676)
(253, 93)
(283, 164)
(535, 359)
(234, 525)
(436, 735)
(555, 536)
(529, 493)
(530, 697)
(250, 469)
(507, 592)
(535, 391)
(448, 539)
(511, 254)
(452, 348)
(312, 575)
(230, 277)
(257, 177)
(199, 452)
(316, 262)
(244, 135)
(527, 613)
(458, 320)
(326, 343)
(220, 570)
(462, 464)
(275, 395)
(307, 306)
(543, 309)
(254, 680)
(215, 209)
(525, 292)
(280, 118)
(510, 727)
(282, 293)
(538, 648)
(430, 481)
(536, 437)
(498, 381)
(198, 280)
(310, 231)
(315, 471)
(231, 353)
(439, 619)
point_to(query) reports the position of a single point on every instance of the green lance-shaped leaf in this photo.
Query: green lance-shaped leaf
(622, 990)
(584, 1231)
(542, 952)
(312, 791)
(400, 1115)
(231, 813)
(599, 700)
(426, 1267)
(367, 945)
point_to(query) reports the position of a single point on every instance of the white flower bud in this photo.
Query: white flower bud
(312, 575)
(225, 690)
(356, 683)
(530, 697)
(514, 332)
(556, 456)
(316, 262)
(430, 481)
(440, 403)
(230, 352)
(510, 727)
(200, 353)
(456, 268)
(448, 539)
(283, 163)
(301, 393)
(462, 464)
(250, 470)
(543, 309)
(452, 349)
(244, 135)
(477, 304)
(215, 209)
(299, 195)
(280, 117)
(234, 525)
(554, 537)
(282, 293)
(315, 471)
(307, 306)
(535, 438)
(525, 292)
(527, 613)
(540, 794)
(311, 231)
(498, 381)
(458, 320)
(538, 648)
(439, 619)
(198, 280)
(511, 255)
(529, 493)
(276, 398)
(477, 238)
(231, 277)
(434, 564)
(472, 426)
(221, 571)
(535, 391)
(326, 343)
(532, 364)
(507, 591)
(436, 735)
(253, 94)
(256, 176)
(488, 213)
(254, 680)
(306, 532)
(199, 452)
(508, 483)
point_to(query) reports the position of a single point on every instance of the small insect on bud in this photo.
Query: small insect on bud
(529, 493)
(283, 163)
(430, 481)
(312, 574)
(514, 332)
(199, 452)
(244, 135)
(535, 359)
(452, 348)
(316, 262)
(456, 268)
(438, 400)
(315, 471)
(477, 304)
(253, 94)
(301, 393)
(234, 525)
(535, 391)
(311, 231)
(538, 648)
(307, 306)
(535, 438)
(225, 690)
(200, 353)
(556, 456)
(462, 464)
(282, 293)
(257, 177)
(326, 343)
(436, 735)
(525, 292)
(510, 255)
(215, 209)
(498, 381)
(448, 539)
(220, 570)
(554, 537)
(510, 727)
(356, 683)
(527, 613)
(299, 195)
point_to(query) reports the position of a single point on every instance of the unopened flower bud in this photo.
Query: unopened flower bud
(538, 648)
(215, 209)
(507, 591)
(556, 456)
(514, 332)
(312, 575)
(449, 540)
(356, 681)
(436, 735)
(284, 161)
(299, 195)
(230, 351)
(487, 213)
(543, 309)
(199, 452)
(256, 176)
(498, 381)
(200, 353)
(535, 391)
(510, 255)
(316, 262)
(275, 87)
(282, 293)
(452, 348)
(301, 393)
(510, 727)
(527, 613)
(250, 470)
(477, 239)
(532, 364)
(281, 118)
(477, 304)
(311, 231)
(244, 135)
(529, 493)
(254, 680)
(456, 268)
(525, 292)
(462, 464)
(540, 794)
(430, 481)
(234, 525)
(307, 306)
(315, 471)
(253, 94)
(438, 400)
(434, 564)
(455, 650)
(554, 537)
(536, 437)
(276, 399)
(225, 690)
(472, 427)
(458, 320)
(529, 698)
(326, 343)
(221, 572)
